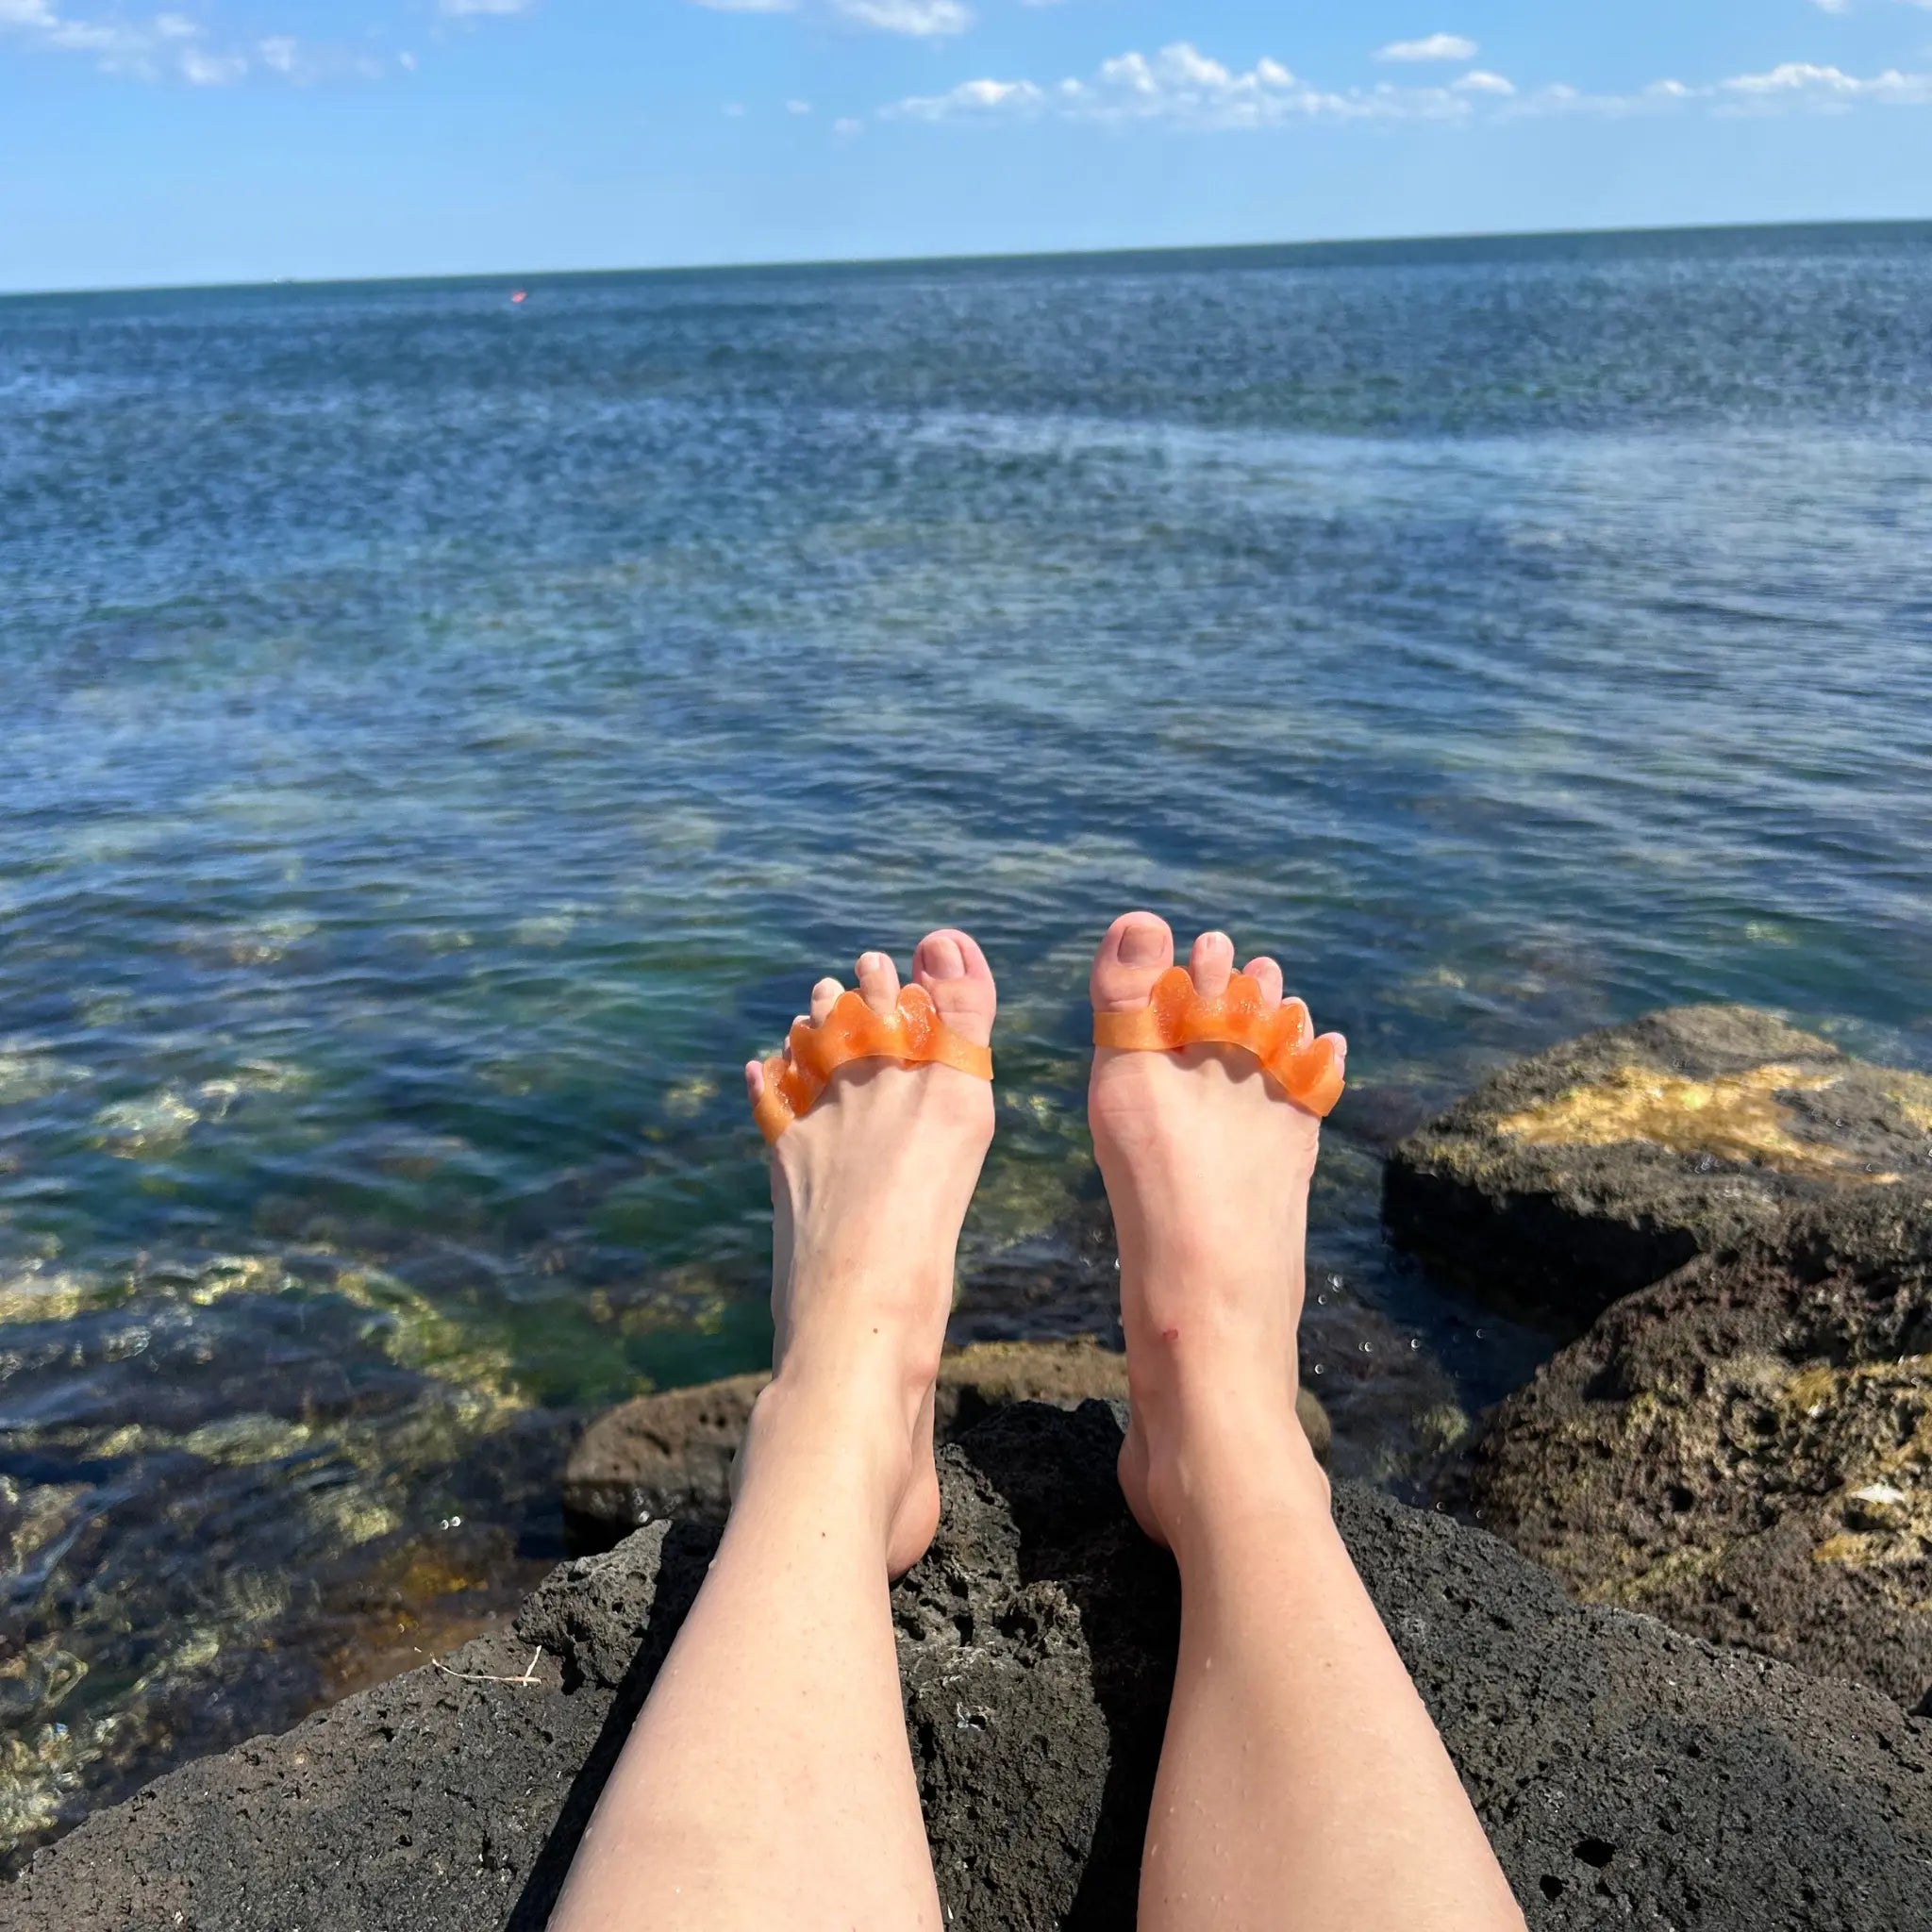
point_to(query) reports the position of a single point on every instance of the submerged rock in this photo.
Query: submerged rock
(1745, 1450)
(1606, 1163)
(670, 1454)
(1628, 1776)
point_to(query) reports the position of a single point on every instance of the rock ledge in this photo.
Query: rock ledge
(1591, 1170)
(1629, 1775)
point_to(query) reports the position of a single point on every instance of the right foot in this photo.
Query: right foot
(867, 1192)
(1206, 1166)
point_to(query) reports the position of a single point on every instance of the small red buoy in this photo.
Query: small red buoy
(520, 296)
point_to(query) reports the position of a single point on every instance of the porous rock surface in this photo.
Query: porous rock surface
(1629, 1775)
(1599, 1167)
(670, 1454)
(1745, 1450)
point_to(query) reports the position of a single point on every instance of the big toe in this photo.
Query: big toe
(950, 966)
(1137, 949)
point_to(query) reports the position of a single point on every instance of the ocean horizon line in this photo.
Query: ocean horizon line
(1314, 251)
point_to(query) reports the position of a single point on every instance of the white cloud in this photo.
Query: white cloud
(798, 106)
(924, 19)
(1792, 86)
(211, 69)
(971, 97)
(460, 9)
(1833, 6)
(734, 111)
(748, 6)
(1799, 84)
(121, 48)
(171, 46)
(118, 46)
(1794, 76)
(1560, 98)
(1182, 87)
(1436, 47)
(846, 127)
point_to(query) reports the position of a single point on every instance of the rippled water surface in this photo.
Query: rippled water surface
(441, 740)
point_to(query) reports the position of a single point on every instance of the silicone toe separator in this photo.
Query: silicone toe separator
(913, 1034)
(1306, 1069)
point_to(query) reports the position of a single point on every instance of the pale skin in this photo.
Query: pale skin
(768, 1780)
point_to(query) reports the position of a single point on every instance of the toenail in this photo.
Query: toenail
(1143, 946)
(943, 960)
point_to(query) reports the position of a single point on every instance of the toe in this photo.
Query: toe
(1267, 975)
(950, 966)
(879, 981)
(755, 1081)
(1137, 949)
(1211, 963)
(824, 997)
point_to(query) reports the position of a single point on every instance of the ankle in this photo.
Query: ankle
(861, 1375)
(1216, 1354)
(1216, 1460)
(845, 1441)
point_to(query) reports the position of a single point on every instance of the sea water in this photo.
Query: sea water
(441, 738)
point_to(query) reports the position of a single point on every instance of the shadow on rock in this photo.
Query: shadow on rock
(589, 1615)
(1075, 1543)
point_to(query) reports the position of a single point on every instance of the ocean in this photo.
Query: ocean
(441, 737)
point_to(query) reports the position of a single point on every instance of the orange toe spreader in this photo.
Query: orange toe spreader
(1306, 1069)
(915, 1036)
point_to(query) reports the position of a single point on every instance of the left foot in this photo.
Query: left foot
(867, 1192)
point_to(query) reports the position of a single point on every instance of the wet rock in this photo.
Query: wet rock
(1745, 1450)
(670, 1454)
(1629, 1775)
(1061, 1282)
(1602, 1165)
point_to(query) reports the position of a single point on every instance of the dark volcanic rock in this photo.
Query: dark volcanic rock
(1604, 1164)
(1629, 1775)
(670, 1454)
(1745, 1449)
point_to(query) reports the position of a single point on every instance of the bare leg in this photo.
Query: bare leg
(768, 1781)
(1302, 1784)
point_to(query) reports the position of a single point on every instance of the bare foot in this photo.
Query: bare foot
(1207, 1167)
(868, 1191)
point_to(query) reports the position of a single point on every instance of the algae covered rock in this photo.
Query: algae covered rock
(670, 1454)
(1602, 1165)
(1745, 1450)
(1628, 1776)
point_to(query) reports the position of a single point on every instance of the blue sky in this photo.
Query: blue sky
(245, 140)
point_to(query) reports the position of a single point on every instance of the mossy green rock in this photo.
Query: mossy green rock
(1592, 1169)
(1745, 1450)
